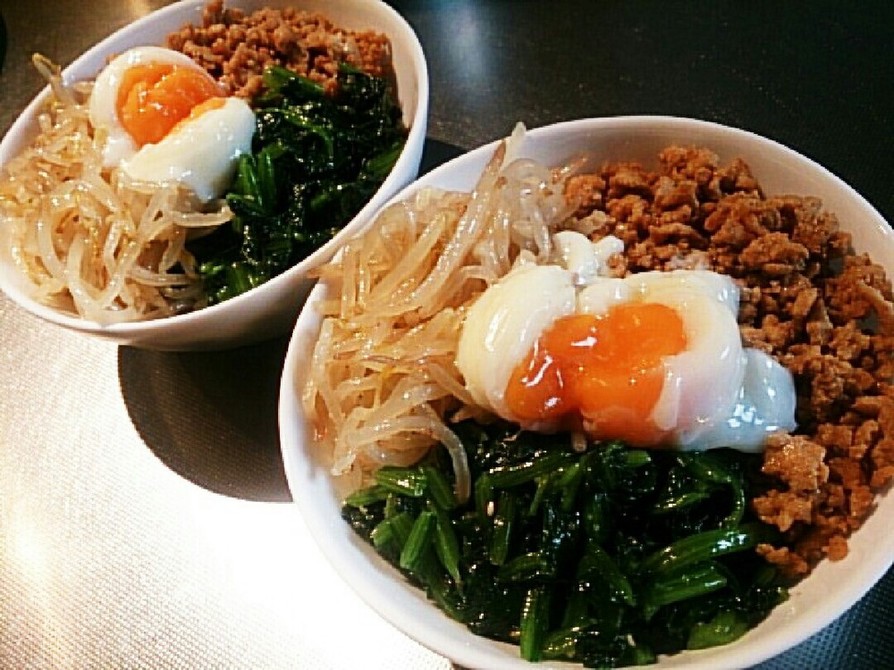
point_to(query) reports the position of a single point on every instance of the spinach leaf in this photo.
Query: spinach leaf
(317, 158)
(607, 557)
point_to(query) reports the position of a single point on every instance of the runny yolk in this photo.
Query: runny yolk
(155, 97)
(606, 370)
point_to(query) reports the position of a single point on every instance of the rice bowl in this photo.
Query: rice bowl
(269, 310)
(811, 606)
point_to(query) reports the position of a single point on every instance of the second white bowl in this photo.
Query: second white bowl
(814, 603)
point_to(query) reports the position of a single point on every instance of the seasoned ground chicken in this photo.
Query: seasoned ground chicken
(235, 47)
(823, 311)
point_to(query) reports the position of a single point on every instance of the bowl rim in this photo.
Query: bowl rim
(128, 330)
(374, 581)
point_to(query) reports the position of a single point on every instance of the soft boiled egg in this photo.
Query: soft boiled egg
(654, 359)
(163, 119)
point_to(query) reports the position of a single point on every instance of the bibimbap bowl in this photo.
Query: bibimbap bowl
(267, 310)
(813, 603)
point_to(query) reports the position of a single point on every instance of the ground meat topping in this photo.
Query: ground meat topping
(824, 312)
(784, 508)
(796, 461)
(235, 47)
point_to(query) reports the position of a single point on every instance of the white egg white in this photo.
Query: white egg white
(199, 153)
(102, 106)
(497, 334)
(765, 404)
(716, 393)
(585, 259)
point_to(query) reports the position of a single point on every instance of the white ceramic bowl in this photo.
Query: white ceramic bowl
(270, 309)
(813, 604)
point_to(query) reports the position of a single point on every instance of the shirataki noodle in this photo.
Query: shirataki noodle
(90, 240)
(383, 385)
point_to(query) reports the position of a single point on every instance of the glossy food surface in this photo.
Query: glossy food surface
(144, 514)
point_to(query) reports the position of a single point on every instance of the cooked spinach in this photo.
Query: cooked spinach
(607, 557)
(316, 159)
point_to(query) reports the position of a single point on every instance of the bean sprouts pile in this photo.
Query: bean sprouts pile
(89, 239)
(384, 385)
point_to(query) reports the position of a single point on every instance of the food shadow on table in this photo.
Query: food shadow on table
(435, 152)
(211, 416)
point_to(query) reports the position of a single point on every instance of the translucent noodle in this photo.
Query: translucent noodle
(89, 240)
(384, 386)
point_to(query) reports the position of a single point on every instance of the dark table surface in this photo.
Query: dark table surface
(815, 76)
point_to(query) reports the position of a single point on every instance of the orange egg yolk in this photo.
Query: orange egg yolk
(155, 97)
(604, 370)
